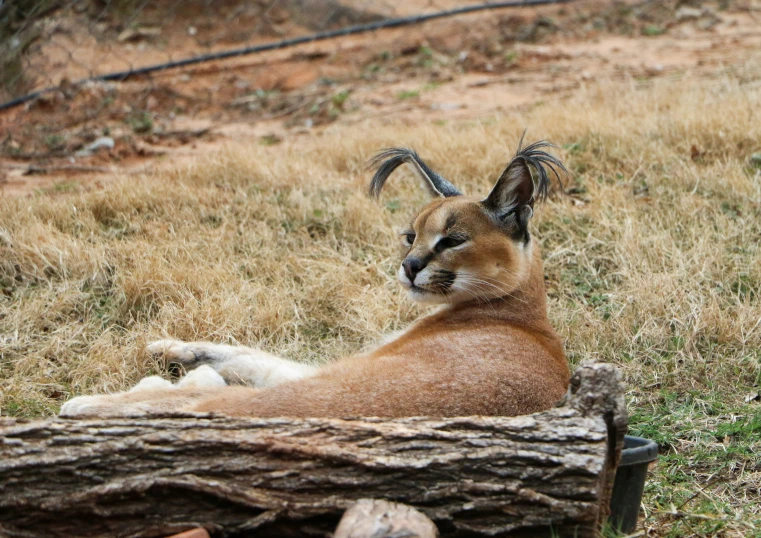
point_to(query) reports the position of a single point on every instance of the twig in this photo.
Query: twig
(180, 134)
(701, 491)
(33, 169)
(292, 109)
(676, 513)
(510, 79)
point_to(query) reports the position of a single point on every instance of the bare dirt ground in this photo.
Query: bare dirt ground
(467, 67)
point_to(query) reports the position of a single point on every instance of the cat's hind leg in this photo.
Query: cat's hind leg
(151, 395)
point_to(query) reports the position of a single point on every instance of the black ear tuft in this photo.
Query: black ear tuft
(390, 159)
(516, 187)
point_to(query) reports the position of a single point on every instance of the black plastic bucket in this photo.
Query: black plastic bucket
(637, 454)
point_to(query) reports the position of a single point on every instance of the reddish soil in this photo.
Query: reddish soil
(469, 66)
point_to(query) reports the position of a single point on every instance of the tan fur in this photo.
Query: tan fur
(490, 350)
(493, 257)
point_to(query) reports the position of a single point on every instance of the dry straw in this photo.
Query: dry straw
(652, 261)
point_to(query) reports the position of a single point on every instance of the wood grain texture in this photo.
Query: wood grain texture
(473, 476)
(194, 533)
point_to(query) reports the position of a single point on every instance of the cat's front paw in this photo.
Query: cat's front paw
(203, 377)
(175, 351)
(153, 382)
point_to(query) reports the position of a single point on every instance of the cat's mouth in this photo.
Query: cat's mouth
(440, 285)
(419, 289)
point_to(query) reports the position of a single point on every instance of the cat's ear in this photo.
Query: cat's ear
(525, 180)
(390, 159)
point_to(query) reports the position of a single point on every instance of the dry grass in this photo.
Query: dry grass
(653, 264)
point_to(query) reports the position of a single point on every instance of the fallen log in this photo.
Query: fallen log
(549, 473)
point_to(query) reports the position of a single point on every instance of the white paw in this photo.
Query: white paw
(153, 382)
(202, 377)
(81, 406)
(173, 350)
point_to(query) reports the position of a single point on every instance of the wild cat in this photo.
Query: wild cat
(488, 350)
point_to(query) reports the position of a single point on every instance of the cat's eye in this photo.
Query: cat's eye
(449, 242)
(409, 238)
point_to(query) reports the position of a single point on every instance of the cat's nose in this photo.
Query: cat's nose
(412, 266)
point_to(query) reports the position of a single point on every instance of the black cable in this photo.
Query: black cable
(320, 36)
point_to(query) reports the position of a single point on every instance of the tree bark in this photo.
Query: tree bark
(550, 473)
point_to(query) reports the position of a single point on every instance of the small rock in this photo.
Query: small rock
(99, 143)
(142, 32)
(686, 13)
(706, 23)
(446, 106)
(752, 397)
(708, 11)
(383, 519)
